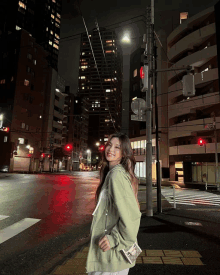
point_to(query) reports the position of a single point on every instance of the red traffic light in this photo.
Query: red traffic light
(201, 142)
(6, 129)
(101, 148)
(68, 147)
(142, 72)
(43, 155)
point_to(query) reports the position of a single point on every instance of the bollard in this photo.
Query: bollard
(174, 201)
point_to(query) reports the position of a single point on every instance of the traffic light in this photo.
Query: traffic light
(43, 155)
(201, 142)
(68, 147)
(143, 77)
(142, 72)
(6, 129)
(101, 148)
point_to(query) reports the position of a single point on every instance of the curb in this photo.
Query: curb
(49, 267)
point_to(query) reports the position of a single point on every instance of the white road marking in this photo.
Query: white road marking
(16, 228)
(2, 217)
(192, 197)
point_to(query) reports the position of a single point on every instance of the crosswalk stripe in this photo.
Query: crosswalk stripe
(16, 228)
(2, 217)
(192, 197)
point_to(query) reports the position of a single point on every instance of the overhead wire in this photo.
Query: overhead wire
(97, 69)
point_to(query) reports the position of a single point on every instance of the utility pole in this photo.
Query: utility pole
(149, 49)
(159, 207)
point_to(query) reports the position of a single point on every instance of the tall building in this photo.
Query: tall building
(102, 89)
(23, 85)
(195, 43)
(41, 18)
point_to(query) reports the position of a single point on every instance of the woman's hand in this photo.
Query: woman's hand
(104, 244)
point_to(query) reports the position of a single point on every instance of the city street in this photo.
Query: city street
(41, 215)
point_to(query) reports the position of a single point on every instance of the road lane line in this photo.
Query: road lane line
(2, 217)
(16, 228)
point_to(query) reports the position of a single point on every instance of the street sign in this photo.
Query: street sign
(138, 106)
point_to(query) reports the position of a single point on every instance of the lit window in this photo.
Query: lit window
(108, 51)
(26, 82)
(54, 1)
(83, 53)
(12, 78)
(5, 138)
(58, 15)
(47, 29)
(48, 7)
(51, 32)
(109, 41)
(135, 73)
(22, 5)
(56, 46)
(84, 67)
(52, 16)
(50, 42)
(83, 77)
(2, 81)
(58, 20)
(90, 35)
(17, 28)
(108, 91)
(83, 88)
(57, 36)
(35, 61)
(108, 79)
(22, 125)
(27, 127)
(183, 17)
(21, 140)
(57, 25)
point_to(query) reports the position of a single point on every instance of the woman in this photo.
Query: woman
(117, 210)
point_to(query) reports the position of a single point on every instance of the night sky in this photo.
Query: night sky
(107, 14)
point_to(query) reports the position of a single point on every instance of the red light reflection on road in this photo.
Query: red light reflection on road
(59, 202)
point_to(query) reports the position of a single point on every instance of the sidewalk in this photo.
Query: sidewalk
(169, 245)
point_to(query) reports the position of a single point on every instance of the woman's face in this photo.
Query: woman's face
(113, 152)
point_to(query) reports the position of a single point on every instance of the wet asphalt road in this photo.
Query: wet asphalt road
(41, 215)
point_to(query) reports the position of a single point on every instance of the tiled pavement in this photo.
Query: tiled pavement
(76, 264)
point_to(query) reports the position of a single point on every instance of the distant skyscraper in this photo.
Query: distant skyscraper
(102, 88)
(41, 18)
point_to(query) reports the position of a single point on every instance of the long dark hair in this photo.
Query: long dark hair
(128, 162)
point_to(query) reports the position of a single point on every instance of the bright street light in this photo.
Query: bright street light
(97, 144)
(88, 151)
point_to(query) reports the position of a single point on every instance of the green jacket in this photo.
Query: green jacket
(123, 221)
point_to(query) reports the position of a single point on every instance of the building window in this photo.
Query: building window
(135, 73)
(2, 81)
(27, 127)
(20, 140)
(26, 82)
(183, 17)
(29, 56)
(5, 138)
(56, 46)
(34, 61)
(58, 20)
(22, 5)
(23, 125)
(52, 16)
